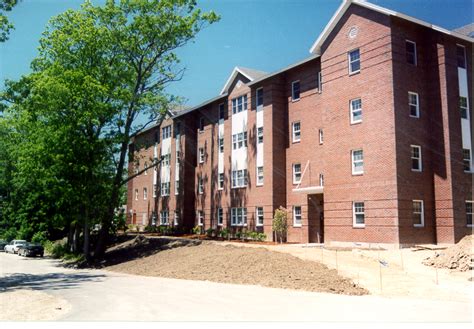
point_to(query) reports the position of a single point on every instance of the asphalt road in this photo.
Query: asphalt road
(97, 295)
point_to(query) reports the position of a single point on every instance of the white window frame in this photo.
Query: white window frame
(350, 61)
(200, 217)
(293, 98)
(295, 181)
(472, 205)
(406, 52)
(239, 178)
(239, 104)
(355, 213)
(464, 108)
(201, 155)
(165, 189)
(176, 187)
(200, 185)
(176, 218)
(145, 193)
(221, 181)
(136, 194)
(421, 213)
(321, 136)
(295, 138)
(259, 216)
(295, 223)
(166, 160)
(257, 97)
(353, 110)
(201, 125)
(469, 160)
(354, 161)
(420, 162)
(259, 135)
(239, 140)
(166, 131)
(154, 190)
(417, 105)
(238, 216)
(259, 177)
(220, 216)
(164, 217)
(221, 144)
(321, 179)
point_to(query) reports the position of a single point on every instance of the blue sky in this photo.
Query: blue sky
(261, 34)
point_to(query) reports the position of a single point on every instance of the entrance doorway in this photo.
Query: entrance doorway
(316, 218)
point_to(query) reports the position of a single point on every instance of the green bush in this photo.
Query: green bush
(165, 230)
(210, 232)
(55, 249)
(261, 236)
(10, 234)
(224, 233)
(280, 224)
(40, 237)
(196, 229)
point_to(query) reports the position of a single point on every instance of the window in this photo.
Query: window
(239, 178)
(157, 137)
(177, 129)
(320, 82)
(259, 216)
(166, 132)
(411, 52)
(463, 107)
(221, 144)
(166, 159)
(145, 167)
(200, 216)
(357, 162)
(469, 213)
(200, 185)
(178, 157)
(221, 111)
(201, 124)
(238, 217)
(416, 158)
(176, 187)
(145, 193)
(461, 56)
(418, 213)
(201, 155)
(295, 90)
(259, 175)
(321, 179)
(296, 173)
(358, 214)
(136, 194)
(165, 189)
(260, 135)
(154, 190)
(413, 104)
(221, 181)
(296, 129)
(239, 104)
(176, 218)
(259, 96)
(466, 159)
(239, 140)
(297, 222)
(220, 216)
(164, 218)
(321, 136)
(356, 110)
(354, 61)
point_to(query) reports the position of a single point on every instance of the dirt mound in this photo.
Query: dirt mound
(458, 257)
(230, 264)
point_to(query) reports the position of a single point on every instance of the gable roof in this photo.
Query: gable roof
(250, 74)
(316, 48)
(466, 30)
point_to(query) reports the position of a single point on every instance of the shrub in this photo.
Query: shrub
(196, 229)
(10, 234)
(224, 233)
(165, 230)
(261, 236)
(210, 232)
(40, 237)
(280, 224)
(55, 249)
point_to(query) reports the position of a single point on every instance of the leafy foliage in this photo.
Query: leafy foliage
(280, 223)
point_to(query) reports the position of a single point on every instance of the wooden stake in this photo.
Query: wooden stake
(436, 275)
(401, 256)
(337, 265)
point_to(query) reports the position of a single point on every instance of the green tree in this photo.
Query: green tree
(5, 25)
(280, 224)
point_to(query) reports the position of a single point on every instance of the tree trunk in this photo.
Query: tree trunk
(77, 235)
(86, 234)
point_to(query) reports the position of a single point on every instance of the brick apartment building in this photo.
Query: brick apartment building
(368, 140)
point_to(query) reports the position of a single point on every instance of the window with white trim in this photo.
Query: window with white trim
(166, 131)
(321, 179)
(221, 181)
(221, 111)
(259, 97)
(319, 82)
(220, 216)
(259, 175)
(136, 194)
(176, 187)
(221, 144)
(177, 129)
(416, 164)
(295, 90)
(145, 193)
(357, 162)
(466, 159)
(469, 213)
(356, 110)
(414, 104)
(239, 104)
(354, 61)
(164, 217)
(358, 214)
(155, 188)
(260, 135)
(461, 56)
(296, 173)
(165, 189)
(201, 124)
(259, 216)
(296, 131)
(239, 178)
(166, 159)
(200, 217)
(463, 107)
(239, 140)
(145, 167)
(297, 217)
(410, 47)
(238, 217)
(418, 213)
(321, 136)
(176, 218)
(200, 185)
(201, 155)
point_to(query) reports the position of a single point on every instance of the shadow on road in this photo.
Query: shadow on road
(48, 281)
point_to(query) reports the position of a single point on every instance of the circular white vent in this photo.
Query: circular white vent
(353, 32)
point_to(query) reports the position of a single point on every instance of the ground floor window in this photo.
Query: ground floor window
(220, 216)
(200, 217)
(297, 218)
(259, 215)
(469, 212)
(418, 213)
(238, 216)
(164, 218)
(358, 214)
(176, 218)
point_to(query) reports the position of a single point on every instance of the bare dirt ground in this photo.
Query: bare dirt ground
(458, 257)
(212, 261)
(31, 305)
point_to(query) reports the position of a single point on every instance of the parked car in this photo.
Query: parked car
(13, 246)
(3, 243)
(31, 249)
